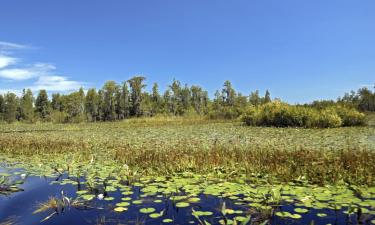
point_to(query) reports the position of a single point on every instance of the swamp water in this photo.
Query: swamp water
(41, 194)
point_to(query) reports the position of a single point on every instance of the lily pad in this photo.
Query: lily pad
(147, 210)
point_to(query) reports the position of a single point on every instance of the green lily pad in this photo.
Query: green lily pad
(301, 210)
(155, 215)
(120, 209)
(167, 221)
(123, 204)
(182, 204)
(147, 210)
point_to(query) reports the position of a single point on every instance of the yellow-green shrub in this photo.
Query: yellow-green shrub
(350, 116)
(279, 114)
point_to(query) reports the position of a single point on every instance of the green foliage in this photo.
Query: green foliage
(279, 114)
(136, 85)
(350, 116)
(115, 102)
(26, 112)
(42, 105)
(10, 109)
(363, 100)
(2, 107)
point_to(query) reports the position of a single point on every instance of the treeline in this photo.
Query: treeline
(128, 99)
(121, 101)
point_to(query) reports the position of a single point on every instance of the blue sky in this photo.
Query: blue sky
(299, 50)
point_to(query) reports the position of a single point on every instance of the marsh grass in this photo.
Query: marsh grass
(315, 166)
(227, 150)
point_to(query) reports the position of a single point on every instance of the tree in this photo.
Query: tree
(100, 114)
(109, 100)
(199, 99)
(2, 107)
(156, 99)
(11, 104)
(122, 101)
(185, 100)
(125, 101)
(26, 106)
(255, 100)
(42, 105)
(91, 105)
(136, 86)
(74, 106)
(267, 97)
(175, 88)
(167, 102)
(228, 94)
(56, 103)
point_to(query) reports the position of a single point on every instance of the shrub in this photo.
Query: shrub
(327, 119)
(281, 114)
(350, 116)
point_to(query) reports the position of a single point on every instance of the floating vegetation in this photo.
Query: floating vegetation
(207, 174)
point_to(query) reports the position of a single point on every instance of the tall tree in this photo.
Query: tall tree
(267, 97)
(136, 86)
(42, 105)
(175, 88)
(228, 93)
(109, 101)
(199, 99)
(74, 106)
(156, 99)
(185, 97)
(255, 99)
(57, 103)
(11, 104)
(2, 107)
(167, 102)
(91, 105)
(27, 106)
(101, 105)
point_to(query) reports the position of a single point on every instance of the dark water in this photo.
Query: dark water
(18, 207)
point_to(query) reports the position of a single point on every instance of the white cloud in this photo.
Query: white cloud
(56, 83)
(6, 61)
(17, 74)
(8, 45)
(36, 70)
(43, 75)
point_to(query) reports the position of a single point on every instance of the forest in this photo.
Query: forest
(129, 99)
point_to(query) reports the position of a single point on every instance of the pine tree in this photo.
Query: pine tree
(267, 97)
(42, 105)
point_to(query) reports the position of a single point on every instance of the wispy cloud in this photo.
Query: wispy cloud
(17, 74)
(7, 61)
(9, 46)
(43, 75)
(56, 83)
